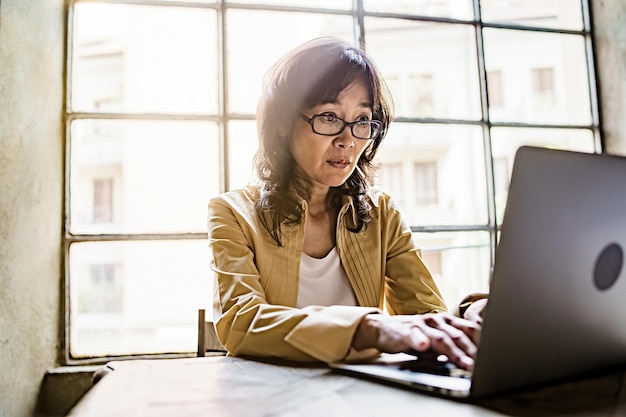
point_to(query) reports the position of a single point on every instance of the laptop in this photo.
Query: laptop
(557, 295)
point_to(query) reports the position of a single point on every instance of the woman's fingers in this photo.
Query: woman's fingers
(462, 333)
(453, 343)
(447, 335)
(418, 340)
(440, 333)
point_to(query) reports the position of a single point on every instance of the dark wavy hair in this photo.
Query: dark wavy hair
(313, 73)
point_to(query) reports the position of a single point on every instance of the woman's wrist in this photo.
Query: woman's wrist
(366, 334)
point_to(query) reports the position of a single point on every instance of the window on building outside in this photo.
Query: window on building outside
(543, 86)
(102, 200)
(161, 96)
(494, 88)
(426, 192)
(391, 180)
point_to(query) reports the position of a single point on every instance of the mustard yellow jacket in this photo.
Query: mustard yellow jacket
(256, 285)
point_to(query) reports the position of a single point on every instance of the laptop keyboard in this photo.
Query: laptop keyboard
(435, 367)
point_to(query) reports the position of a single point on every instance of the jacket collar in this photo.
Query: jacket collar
(347, 211)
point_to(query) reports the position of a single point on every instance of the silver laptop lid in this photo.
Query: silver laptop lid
(557, 299)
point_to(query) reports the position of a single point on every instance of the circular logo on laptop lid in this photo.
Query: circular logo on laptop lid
(608, 266)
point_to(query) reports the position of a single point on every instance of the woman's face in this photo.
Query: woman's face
(328, 161)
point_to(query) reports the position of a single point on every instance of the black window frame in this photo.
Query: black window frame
(224, 116)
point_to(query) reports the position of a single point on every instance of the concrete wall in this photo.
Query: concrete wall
(31, 193)
(610, 40)
(31, 180)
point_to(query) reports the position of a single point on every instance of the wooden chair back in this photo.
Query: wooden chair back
(207, 338)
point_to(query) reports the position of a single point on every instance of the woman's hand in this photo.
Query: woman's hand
(475, 311)
(439, 333)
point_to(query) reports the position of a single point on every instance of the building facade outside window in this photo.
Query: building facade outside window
(161, 99)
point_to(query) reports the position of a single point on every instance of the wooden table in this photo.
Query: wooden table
(227, 386)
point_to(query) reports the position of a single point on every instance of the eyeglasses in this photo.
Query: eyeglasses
(328, 124)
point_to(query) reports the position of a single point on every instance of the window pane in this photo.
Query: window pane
(543, 77)
(561, 14)
(506, 141)
(435, 173)
(243, 145)
(326, 4)
(249, 57)
(457, 9)
(137, 297)
(458, 261)
(430, 68)
(144, 59)
(161, 175)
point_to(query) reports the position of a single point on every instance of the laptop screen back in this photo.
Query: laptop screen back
(556, 304)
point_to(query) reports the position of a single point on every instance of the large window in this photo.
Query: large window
(161, 97)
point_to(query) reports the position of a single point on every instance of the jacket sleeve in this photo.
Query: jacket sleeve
(246, 323)
(409, 286)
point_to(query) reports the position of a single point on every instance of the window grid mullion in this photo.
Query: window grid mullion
(596, 115)
(222, 75)
(486, 131)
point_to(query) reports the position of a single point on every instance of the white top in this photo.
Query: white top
(323, 282)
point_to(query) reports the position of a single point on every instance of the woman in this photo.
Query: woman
(307, 261)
